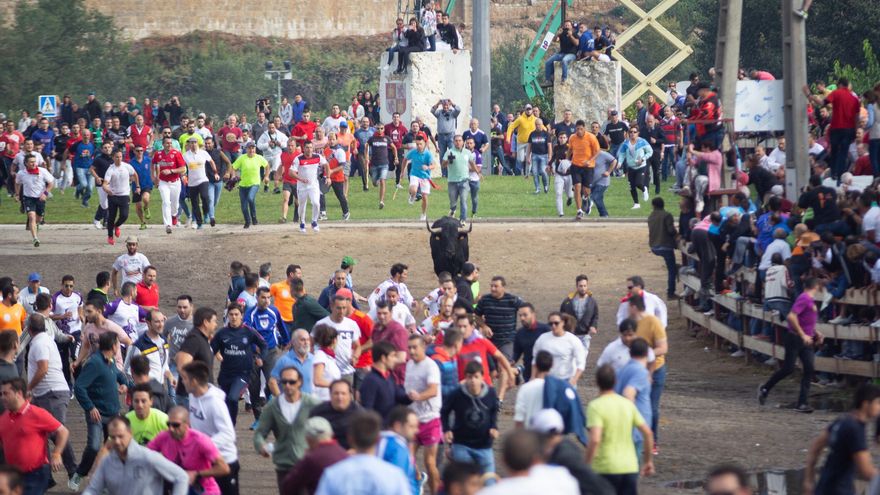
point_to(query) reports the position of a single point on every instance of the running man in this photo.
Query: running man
(420, 163)
(117, 185)
(32, 187)
(582, 150)
(141, 164)
(308, 189)
(377, 158)
(168, 165)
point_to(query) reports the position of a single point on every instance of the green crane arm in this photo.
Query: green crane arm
(533, 60)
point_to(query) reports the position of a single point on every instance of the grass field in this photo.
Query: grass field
(499, 197)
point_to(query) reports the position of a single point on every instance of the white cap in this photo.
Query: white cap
(777, 190)
(547, 421)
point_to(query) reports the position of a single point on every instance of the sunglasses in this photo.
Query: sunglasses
(554, 323)
(289, 382)
(173, 424)
(633, 132)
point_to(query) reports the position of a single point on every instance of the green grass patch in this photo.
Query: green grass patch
(499, 197)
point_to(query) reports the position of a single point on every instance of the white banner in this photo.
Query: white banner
(759, 106)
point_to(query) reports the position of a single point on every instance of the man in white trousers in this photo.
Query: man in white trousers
(308, 188)
(271, 143)
(168, 165)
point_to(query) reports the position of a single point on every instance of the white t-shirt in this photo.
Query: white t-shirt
(331, 372)
(196, 161)
(18, 161)
(126, 315)
(616, 353)
(131, 267)
(43, 348)
(542, 478)
(27, 298)
(308, 171)
(379, 293)
(33, 185)
(418, 377)
(871, 221)
(119, 179)
(62, 304)
(289, 410)
(347, 333)
(529, 400)
(653, 306)
(568, 353)
(399, 313)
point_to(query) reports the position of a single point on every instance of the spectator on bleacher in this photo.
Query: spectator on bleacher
(398, 40)
(415, 42)
(449, 38)
(707, 163)
(429, 25)
(568, 46)
(585, 41)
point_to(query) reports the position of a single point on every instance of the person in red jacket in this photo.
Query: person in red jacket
(168, 165)
(844, 121)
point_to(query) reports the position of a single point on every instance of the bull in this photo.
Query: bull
(449, 245)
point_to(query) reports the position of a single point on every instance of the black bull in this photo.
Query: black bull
(449, 245)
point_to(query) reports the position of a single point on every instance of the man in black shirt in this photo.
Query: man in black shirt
(655, 136)
(196, 347)
(848, 454)
(823, 201)
(99, 168)
(524, 340)
(498, 309)
(338, 410)
(568, 44)
(565, 126)
(378, 147)
(615, 131)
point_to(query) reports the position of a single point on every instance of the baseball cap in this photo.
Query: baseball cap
(468, 268)
(614, 112)
(251, 144)
(192, 139)
(91, 93)
(344, 292)
(528, 106)
(777, 190)
(34, 277)
(132, 239)
(547, 421)
(343, 124)
(318, 427)
(348, 261)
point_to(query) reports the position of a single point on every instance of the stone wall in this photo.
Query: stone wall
(431, 77)
(592, 88)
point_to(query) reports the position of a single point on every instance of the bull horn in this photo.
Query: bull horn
(470, 228)
(429, 227)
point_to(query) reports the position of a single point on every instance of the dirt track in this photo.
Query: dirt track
(709, 413)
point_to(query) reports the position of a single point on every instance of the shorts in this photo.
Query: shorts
(274, 162)
(378, 172)
(136, 197)
(430, 433)
(424, 185)
(581, 175)
(291, 188)
(346, 169)
(33, 205)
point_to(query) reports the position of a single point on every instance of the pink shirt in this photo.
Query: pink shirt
(195, 452)
(713, 161)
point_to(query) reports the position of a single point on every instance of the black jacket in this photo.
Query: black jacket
(658, 135)
(338, 419)
(590, 317)
(472, 416)
(448, 34)
(463, 289)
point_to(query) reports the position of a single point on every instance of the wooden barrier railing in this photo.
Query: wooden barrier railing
(747, 311)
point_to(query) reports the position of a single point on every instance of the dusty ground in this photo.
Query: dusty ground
(709, 413)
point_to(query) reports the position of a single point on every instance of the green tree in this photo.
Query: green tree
(863, 77)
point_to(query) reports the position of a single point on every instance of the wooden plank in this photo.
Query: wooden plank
(728, 302)
(691, 281)
(725, 332)
(845, 332)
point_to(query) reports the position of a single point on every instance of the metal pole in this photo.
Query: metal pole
(481, 76)
(278, 102)
(794, 73)
(727, 59)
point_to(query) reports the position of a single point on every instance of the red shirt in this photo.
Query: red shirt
(286, 161)
(304, 130)
(229, 139)
(12, 142)
(396, 133)
(863, 166)
(365, 323)
(140, 137)
(168, 161)
(24, 434)
(334, 163)
(398, 336)
(845, 108)
(478, 350)
(147, 296)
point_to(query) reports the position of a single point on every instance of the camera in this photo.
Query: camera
(450, 157)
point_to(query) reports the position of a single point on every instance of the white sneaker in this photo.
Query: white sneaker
(302, 228)
(193, 225)
(423, 217)
(841, 320)
(645, 194)
(699, 206)
(346, 216)
(97, 224)
(400, 186)
(636, 206)
(876, 324)
(411, 199)
(738, 353)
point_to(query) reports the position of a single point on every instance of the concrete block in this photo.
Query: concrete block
(431, 77)
(592, 88)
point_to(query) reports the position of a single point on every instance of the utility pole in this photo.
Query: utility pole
(727, 58)
(481, 76)
(794, 74)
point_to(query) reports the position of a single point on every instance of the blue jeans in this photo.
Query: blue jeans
(391, 51)
(597, 194)
(474, 186)
(458, 192)
(444, 142)
(668, 161)
(84, 183)
(565, 58)
(668, 255)
(248, 198)
(539, 169)
(680, 171)
(36, 482)
(95, 435)
(214, 191)
(431, 43)
(766, 328)
(481, 457)
(659, 376)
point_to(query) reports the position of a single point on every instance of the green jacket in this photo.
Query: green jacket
(290, 438)
(307, 312)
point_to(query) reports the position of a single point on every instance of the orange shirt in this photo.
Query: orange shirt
(365, 324)
(284, 301)
(12, 317)
(583, 150)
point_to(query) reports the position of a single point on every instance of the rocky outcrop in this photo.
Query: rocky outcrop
(592, 88)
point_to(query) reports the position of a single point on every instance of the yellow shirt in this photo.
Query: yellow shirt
(524, 125)
(650, 329)
(12, 317)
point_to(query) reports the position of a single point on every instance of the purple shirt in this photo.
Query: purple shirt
(805, 309)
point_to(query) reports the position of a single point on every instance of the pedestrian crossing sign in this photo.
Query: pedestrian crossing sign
(48, 105)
